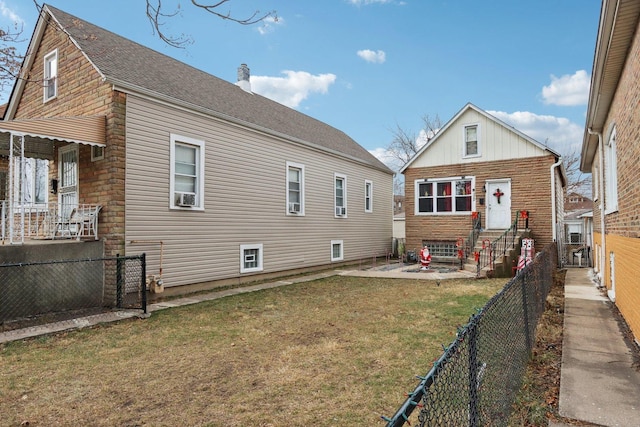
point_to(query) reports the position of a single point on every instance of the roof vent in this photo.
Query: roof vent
(243, 78)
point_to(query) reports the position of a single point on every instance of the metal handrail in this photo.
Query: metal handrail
(45, 221)
(498, 247)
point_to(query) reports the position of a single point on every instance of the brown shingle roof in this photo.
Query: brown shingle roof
(138, 68)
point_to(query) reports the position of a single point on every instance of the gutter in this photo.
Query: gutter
(553, 197)
(601, 204)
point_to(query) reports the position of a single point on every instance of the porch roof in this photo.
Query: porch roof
(39, 133)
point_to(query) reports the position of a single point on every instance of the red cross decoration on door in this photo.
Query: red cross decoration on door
(498, 194)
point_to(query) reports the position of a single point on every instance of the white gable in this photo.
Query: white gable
(496, 141)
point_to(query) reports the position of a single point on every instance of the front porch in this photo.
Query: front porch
(42, 166)
(21, 223)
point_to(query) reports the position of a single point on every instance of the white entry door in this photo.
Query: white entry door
(68, 180)
(498, 198)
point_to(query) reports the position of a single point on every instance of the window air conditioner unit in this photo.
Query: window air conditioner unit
(186, 199)
(294, 208)
(341, 211)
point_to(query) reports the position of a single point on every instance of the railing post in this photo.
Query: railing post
(119, 296)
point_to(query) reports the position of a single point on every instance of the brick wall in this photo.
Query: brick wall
(622, 237)
(81, 92)
(625, 114)
(530, 190)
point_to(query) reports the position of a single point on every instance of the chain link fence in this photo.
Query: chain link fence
(475, 381)
(49, 288)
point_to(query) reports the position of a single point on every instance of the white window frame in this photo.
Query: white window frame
(199, 146)
(611, 174)
(343, 207)
(300, 168)
(50, 73)
(341, 244)
(434, 183)
(259, 259)
(97, 152)
(465, 154)
(21, 180)
(368, 196)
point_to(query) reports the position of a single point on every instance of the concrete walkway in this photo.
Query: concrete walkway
(598, 384)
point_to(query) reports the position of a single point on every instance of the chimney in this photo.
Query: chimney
(243, 78)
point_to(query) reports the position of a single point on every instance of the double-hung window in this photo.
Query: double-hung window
(187, 173)
(340, 195)
(368, 196)
(295, 189)
(443, 196)
(50, 75)
(471, 142)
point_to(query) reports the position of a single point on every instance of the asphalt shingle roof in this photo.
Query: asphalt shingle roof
(136, 67)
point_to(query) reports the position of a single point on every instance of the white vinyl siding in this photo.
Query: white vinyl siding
(368, 196)
(245, 196)
(295, 189)
(186, 172)
(505, 144)
(50, 75)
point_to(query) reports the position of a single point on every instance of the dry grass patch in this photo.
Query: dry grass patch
(341, 350)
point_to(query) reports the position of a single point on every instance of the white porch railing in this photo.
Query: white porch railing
(47, 221)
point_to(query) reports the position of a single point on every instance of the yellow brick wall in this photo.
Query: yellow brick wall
(627, 276)
(81, 92)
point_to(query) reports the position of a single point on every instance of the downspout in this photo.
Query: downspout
(601, 205)
(553, 197)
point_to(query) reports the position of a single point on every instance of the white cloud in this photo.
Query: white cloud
(7, 12)
(567, 90)
(377, 57)
(292, 89)
(269, 24)
(559, 133)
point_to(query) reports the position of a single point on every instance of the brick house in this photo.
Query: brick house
(610, 151)
(213, 182)
(478, 165)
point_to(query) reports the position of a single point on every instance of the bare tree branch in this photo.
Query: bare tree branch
(158, 19)
(578, 182)
(10, 58)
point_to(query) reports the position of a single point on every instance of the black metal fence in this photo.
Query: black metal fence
(475, 381)
(29, 290)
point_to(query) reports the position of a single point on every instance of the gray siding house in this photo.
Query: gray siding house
(211, 181)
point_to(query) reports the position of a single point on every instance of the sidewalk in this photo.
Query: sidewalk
(598, 383)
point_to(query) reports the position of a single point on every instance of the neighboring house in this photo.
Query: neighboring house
(398, 204)
(610, 151)
(477, 165)
(210, 180)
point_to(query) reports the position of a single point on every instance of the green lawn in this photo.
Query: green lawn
(336, 351)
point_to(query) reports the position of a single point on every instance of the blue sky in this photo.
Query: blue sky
(368, 66)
